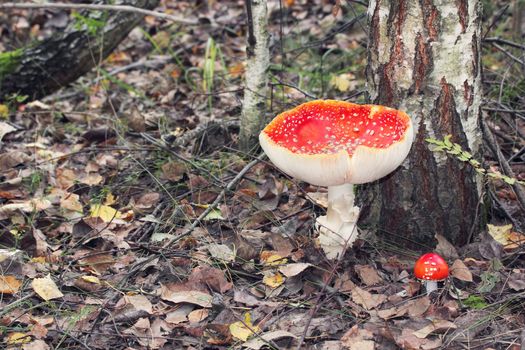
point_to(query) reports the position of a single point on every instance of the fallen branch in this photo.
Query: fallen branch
(123, 8)
(217, 200)
(505, 167)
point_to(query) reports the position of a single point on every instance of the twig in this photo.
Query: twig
(15, 303)
(507, 170)
(504, 42)
(216, 202)
(123, 8)
(307, 94)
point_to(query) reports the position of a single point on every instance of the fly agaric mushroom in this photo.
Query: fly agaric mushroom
(338, 144)
(431, 268)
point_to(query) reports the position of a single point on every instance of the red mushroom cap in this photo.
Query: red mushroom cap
(431, 267)
(328, 142)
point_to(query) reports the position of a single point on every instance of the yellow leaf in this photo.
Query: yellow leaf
(105, 212)
(504, 235)
(110, 199)
(273, 279)
(500, 233)
(91, 279)
(18, 338)
(4, 111)
(39, 260)
(271, 259)
(46, 288)
(9, 284)
(243, 330)
(342, 82)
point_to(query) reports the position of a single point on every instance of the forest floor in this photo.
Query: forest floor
(126, 224)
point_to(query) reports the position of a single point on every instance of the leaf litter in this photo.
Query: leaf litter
(87, 204)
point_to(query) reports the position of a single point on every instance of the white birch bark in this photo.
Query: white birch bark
(256, 78)
(423, 58)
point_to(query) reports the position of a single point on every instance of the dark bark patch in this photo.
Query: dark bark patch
(462, 14)
(430, 19)
(475, 54)
(468, 93)
(422, 65)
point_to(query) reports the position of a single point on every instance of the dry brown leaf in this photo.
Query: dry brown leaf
(263, 339)
(139, 302)
(191, 297)
(418, 306)
(11, 159)
(460, 271)
(198, 315)
(445, 248)
(358, 339)
(291, 270)
(434, 327)
(9, 284)
(368, 275)
(36, 345)
(46, 288)
(517, 281)
(180, 314)
(173, 171)
(367, 300)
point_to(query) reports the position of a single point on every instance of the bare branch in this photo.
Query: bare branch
(124, 8)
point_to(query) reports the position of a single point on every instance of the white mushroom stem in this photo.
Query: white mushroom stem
(337, 229)
(430, 286)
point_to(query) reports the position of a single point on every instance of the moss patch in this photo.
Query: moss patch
(9, 61)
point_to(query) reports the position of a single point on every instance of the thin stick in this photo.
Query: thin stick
(505, 167)
(217, 200)
(123, 8)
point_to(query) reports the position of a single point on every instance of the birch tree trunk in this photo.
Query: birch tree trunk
(256, 75)
(424, 58)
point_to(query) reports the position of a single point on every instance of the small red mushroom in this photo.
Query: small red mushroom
(431, 268)
(338, 144)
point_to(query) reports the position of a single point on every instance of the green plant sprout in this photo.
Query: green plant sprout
(455, 149)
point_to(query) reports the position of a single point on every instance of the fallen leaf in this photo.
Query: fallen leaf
(91, 279)
(460, 271)
(368, 275)
(343, 82)
(71, 201)
(269, 258)
(5, 128)
(4, 111)
(9, 284)
(273, 279)
(46, 288)
(294, 269)
(358, 339)
(173, 171)
(180, 314)
(105, 212)
(367, 300)
(445, 248)
(17, 338)
(505, 236)
(139, 302)
(434, 327)
(221, 252)
(262, 340)
(243, 330)
(517, 281)
(191, 297)
(36, 345)
(198, 315)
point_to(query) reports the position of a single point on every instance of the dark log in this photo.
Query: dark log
(40, 69)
